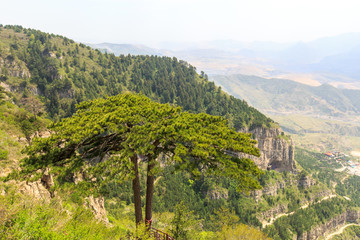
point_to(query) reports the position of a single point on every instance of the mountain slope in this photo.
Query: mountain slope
(285, 96)
(320, 118)
(65, 73)
(62, 73)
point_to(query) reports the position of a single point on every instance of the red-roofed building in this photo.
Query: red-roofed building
(328, 154)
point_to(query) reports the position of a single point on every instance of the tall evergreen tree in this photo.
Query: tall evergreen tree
(109, 138)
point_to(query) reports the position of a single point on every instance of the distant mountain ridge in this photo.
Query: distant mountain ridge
(286, 96)
(331, 60)
(125, 49)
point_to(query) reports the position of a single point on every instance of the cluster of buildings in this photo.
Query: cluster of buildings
(335, 154)
(338, 156)
(352, 166)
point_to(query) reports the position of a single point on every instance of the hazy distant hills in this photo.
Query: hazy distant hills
(279, 96)
(125, 49)
(318, 117)
(346, 63)
(332, 60)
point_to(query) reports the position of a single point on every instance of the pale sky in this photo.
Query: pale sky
(146, 21)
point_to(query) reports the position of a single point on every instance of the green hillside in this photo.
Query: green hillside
(285, 96)
(319, 118)
(320, 134)
(45, 76)
(22, 216)
(65, 73)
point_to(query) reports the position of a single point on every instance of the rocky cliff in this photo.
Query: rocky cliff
(328, 227)
(9, 66)
(277, 151)
(273, 189)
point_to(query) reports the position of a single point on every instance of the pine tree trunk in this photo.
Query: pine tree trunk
(136, 190)
(149, 195)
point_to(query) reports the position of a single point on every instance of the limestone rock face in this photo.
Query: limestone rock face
(11, 88)
(352, 216)
(272, 190)
(330, 226)
(35, 189)
(97, 206)
(279, 209)
(67, 93)
(11, 67)
(4, 171)
(48, 181)
(306, 181)
(276, 152)
(217, 193)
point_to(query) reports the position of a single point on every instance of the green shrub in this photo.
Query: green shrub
(3, 154)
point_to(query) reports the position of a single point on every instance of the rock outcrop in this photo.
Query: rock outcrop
(306, 181)
(48, 181)
(97, 206)
(271, 213)
(10, 67)
(217, 193)
(35, 189)
(18, 88)
(328, 227)
(40, 189)
(277, 152)
(272, 190)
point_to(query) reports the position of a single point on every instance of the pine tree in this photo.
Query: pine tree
(109, 138)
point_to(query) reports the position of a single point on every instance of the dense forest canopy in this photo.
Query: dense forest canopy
(64, 73)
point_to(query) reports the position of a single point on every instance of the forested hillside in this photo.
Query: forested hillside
(64, 73)
(45, 76)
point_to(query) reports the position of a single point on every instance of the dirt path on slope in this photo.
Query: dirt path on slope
(272, 220)
(324, 198)
(339, 231)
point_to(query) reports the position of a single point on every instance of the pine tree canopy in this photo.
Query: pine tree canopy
(105, 133)
(107, 138)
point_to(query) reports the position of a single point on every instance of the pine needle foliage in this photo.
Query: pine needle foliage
(105, 134)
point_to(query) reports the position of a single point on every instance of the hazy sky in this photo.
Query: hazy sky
(145, 21)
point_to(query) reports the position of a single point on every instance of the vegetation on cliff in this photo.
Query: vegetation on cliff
(17, 127)
(304, 220)
(321, 169)
(350, 233)
(25, 217)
